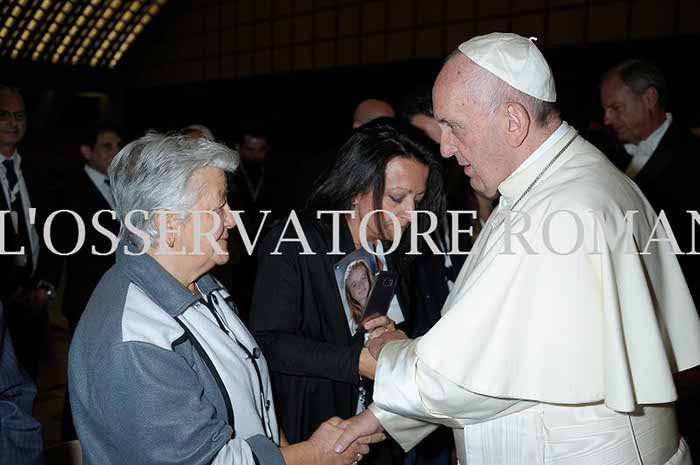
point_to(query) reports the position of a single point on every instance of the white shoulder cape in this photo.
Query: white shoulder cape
(596, 324)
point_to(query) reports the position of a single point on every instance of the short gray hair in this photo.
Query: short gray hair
(154, 172)
(489, 92)
(639, 75)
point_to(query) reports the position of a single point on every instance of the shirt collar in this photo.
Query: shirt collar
(647, 147)
(16, 158)
(158, 284)
(514, 186)
(95, 175)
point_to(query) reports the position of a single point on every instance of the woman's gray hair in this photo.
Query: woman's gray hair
(154, 172)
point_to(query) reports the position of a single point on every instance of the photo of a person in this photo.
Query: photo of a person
(358, 284)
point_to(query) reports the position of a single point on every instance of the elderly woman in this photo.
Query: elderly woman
(317, 357)
(161, 369)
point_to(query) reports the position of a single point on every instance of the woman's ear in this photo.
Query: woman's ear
(518, 124)
(168, 227)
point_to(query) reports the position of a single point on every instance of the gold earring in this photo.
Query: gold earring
(171, 242)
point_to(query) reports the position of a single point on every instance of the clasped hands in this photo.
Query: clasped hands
(381, 330)
(321, 447)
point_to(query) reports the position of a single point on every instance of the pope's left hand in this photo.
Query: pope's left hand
(376, 345)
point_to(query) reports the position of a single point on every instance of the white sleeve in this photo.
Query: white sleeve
(410, 397)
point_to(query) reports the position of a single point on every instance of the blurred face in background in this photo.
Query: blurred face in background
(253, 148)
(428, 125)
(106, 147)
(626, 113)
(13, 121)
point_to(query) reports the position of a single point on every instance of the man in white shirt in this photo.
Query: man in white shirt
(24, 294)
(664, 155)
(559, 340)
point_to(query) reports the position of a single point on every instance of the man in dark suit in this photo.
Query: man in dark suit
(23, 293)
(663, 158)
(660, 154)
(87, 194)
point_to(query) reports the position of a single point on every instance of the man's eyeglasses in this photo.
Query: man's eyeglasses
(7, 115)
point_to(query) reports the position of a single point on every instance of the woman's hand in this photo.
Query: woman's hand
(368, 364)
(378, 326)
(283, 438)
(322, 443)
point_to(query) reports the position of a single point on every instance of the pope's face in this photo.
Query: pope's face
(625, 112)
(469, 134)
(358, 284)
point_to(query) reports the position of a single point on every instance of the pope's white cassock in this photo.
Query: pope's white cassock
(563, 351)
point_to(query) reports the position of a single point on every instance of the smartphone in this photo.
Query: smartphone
(380, 296)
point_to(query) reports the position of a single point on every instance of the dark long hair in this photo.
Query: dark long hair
(361, 167)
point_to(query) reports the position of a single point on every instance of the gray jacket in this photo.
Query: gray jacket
(158, 376)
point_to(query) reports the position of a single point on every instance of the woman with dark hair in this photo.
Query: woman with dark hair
(316, 356)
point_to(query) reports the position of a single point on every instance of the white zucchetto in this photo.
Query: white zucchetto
(515, 60)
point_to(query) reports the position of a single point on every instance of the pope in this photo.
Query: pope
(560, 339)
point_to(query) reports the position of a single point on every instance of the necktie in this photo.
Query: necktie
(17, 206)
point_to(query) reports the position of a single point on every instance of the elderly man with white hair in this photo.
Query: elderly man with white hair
(559, 341)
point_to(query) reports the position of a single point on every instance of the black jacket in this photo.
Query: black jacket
(668, 182)
(298, 319)
(83, 268)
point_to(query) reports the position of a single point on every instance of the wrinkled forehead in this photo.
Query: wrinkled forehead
(452, 78)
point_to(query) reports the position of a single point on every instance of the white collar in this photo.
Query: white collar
(16, 158)
(97, 177)
(647, 147)
(542, 149)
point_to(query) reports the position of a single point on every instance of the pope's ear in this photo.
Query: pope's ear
(518, 120)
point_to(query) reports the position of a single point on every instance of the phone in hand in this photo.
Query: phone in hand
(380, 296)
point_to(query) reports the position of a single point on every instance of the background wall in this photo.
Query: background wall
(222, 39)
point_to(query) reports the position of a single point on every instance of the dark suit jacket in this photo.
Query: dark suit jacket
(83, 269)
(40, 198)
(20, 436)
(668, 181)
(297, 317)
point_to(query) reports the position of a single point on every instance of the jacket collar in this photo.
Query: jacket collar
(159, 285)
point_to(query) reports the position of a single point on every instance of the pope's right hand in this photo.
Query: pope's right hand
(362, 425)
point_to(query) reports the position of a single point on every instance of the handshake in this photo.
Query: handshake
(321, 447)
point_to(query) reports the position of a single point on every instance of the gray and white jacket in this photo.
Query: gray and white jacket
(158, 376)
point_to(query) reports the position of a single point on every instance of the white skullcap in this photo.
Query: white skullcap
(515, 60)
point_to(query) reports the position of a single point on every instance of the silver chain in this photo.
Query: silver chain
(539, 176)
